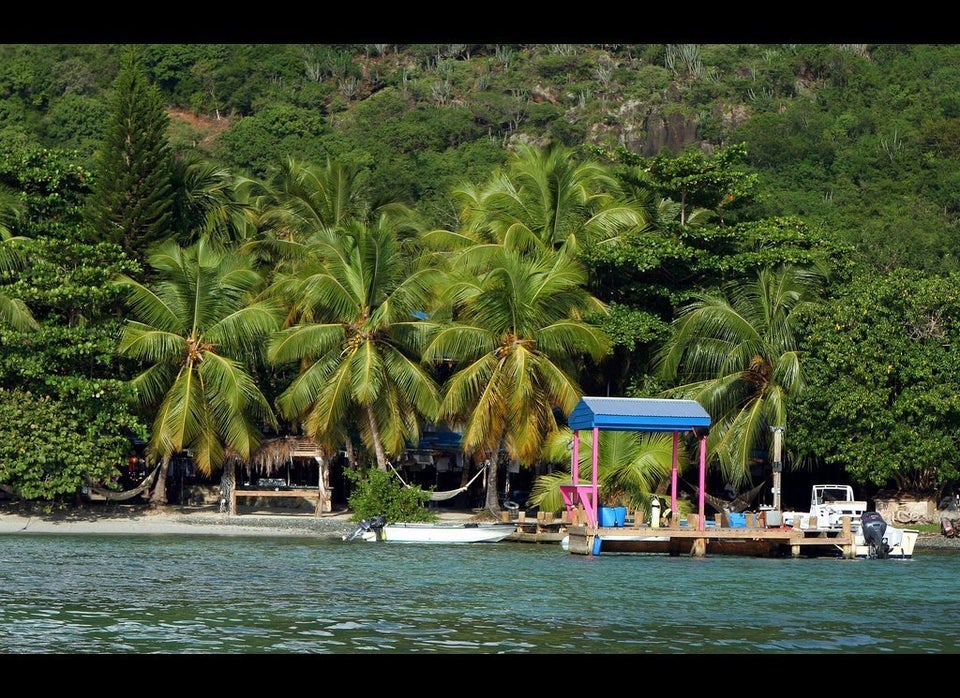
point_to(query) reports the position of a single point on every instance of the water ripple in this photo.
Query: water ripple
(131, 594)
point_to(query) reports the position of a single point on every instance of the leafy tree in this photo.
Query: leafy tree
(696, 181)
(130, 205)
(274, 133)
(69, 359)
(737, 354)
(694, 243)
(49, 447)
(199, 330)
(398, 141)
(882, 398)
(75, 122)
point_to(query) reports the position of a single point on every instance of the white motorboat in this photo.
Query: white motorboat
(872, 536)
(377, 529)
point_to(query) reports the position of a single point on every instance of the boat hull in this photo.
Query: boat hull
(901, 542)
(439, 533)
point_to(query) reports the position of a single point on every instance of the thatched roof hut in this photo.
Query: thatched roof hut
(276, 454)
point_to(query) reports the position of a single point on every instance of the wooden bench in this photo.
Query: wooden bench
(305, 493)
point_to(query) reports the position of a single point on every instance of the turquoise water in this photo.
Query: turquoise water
(211, 594)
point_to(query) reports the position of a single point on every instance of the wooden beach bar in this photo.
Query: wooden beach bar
(586, 535)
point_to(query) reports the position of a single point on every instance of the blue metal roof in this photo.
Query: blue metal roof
(637, 414)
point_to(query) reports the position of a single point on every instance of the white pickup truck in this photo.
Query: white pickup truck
(828, 505)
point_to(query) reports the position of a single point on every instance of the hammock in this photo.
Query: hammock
(446, 494)
(96, 492)
(736, 505)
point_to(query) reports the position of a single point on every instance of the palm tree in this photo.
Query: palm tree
(545, 199)
(199, 330)
(355, 334)
(518, 329)
(631, 467)
(315, 196)
(302, 199)
(209, 201)
(737, 352)
(13, 311)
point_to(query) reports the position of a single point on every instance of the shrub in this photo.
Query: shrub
(379, 493)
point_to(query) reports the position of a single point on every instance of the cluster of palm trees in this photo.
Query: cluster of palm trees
(363, 325)
(299, 300)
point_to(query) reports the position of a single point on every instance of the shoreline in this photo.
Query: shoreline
(208, 520)
(177, 520)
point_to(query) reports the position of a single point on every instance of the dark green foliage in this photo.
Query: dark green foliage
(380, 493)
(400, 145)
(52, 186)
(631, 328)
(634, 332)
(71, 363)
(69, 366)
(882, 398)
(188, 74)
(275, 133)
(830, 128)
(131, 199)
(48, 445)
(564, 64)
(76, 123)
(852, 146)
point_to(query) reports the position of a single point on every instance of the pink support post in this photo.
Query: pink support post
(673, 476)
(571, 492)
(703, 480)
(596, 457)
(585, 495)
(575, 464)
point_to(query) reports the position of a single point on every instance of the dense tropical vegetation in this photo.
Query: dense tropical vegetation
(202, 242)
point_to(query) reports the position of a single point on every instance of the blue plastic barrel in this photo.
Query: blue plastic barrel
(620, 514)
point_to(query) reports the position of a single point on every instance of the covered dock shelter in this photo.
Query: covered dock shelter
(633, 414)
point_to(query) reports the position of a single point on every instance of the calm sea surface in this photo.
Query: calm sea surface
(211, 594)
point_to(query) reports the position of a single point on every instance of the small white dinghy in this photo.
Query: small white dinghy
(377, 529)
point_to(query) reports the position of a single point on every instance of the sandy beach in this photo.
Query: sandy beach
(208, 520)
(146, 520)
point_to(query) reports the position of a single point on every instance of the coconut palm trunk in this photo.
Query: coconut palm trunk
(492, 503)
(228, 482)
(377, 443)
(159, 496)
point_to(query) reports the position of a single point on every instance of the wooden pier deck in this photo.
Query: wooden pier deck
(753, 541)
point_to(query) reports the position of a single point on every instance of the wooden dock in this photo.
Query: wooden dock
(538, 531)
(752, 541)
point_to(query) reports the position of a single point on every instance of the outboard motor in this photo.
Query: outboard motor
(874, 528)
(375, 524)
(364, 526)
